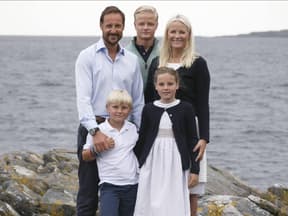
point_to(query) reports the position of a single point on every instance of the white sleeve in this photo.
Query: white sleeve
(89, 142)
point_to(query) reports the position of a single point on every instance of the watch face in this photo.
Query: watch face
(93, 131)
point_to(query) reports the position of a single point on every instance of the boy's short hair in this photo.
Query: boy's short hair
(119, 96)
(146, 8)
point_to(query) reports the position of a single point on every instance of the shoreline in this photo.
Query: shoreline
(48, 183)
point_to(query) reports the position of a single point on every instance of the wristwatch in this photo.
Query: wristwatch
(93, 131)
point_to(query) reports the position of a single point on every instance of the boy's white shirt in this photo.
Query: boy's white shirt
(119, 165)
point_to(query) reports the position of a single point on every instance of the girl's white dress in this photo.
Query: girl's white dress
(163, 185)
(200, 187)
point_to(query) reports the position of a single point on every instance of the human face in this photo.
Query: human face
(178, 35)
(112, 28)
(166, 87)
(118, 112)
(145, 25)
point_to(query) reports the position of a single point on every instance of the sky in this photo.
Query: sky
(81, 18)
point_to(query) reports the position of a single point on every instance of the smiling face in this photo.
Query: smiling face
(166, 86)
(118, 112)
(178, 35)
(112, 28)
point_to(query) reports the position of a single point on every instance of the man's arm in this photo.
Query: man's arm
(84, 91)
(137, 96)
(83, 78)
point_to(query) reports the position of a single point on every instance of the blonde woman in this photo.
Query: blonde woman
(178, 52)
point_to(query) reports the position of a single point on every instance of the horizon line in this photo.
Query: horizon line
(59, 35)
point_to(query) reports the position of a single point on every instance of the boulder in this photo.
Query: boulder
(47, 184)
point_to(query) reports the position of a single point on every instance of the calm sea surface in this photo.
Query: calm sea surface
(248, 100)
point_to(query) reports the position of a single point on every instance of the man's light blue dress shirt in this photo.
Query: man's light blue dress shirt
(97, 75)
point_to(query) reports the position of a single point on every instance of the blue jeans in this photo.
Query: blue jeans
(117, 200)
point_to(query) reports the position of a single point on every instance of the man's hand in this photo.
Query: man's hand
(102, 142)
(201, 145)
(193, 180)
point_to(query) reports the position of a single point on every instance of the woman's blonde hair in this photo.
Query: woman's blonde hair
(188, 55)
(119, 96)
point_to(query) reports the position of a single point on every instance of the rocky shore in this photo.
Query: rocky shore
(46, 185)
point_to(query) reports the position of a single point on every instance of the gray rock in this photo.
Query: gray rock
(224, 183)
(20, 197)
(264, 204)
(7, 210)
(225, 205)
(60, 201)
(44, 185)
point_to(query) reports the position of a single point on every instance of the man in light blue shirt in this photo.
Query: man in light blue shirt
(97, 75)
(99, 69)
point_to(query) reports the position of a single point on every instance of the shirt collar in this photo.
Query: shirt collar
(101, 47)
(107, 126)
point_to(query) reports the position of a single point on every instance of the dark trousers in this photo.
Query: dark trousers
(87, 197)
(117, 200)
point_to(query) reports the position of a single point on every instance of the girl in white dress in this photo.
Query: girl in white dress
(178, 51)
(168, 164)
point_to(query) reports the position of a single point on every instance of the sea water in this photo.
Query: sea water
(248, 100)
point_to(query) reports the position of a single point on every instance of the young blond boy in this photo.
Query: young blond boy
(118, 166)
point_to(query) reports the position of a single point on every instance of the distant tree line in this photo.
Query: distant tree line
(281, 33)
